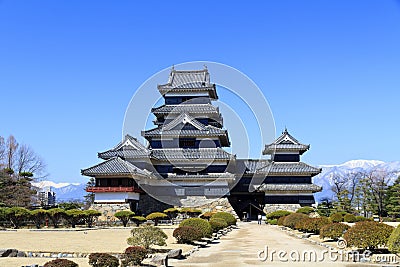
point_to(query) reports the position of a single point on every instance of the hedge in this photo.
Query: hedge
(133, 256)
(312, 225)
(281, 220)
(360, 219)
(336, 217)
(218, 224)
(60, 263)
(103, 260)
(202, 225)
(368, 234)
(207, 215)
(305, 210)
(229, 218)
(277, 214)
(291, 220)
(350, 218)
(394, 241)
(333, 230)
(187, 234)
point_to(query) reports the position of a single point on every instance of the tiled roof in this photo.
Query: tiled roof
(129, 147)
(190, 108)
(280, 168)
(123, 153)
(189, 81)
(114, 166)
(285, 142)
(184, 118)
(290, 187)
(191, 154)
(209, 131)
(253, 165)
(199, 129)
(288, 168)
(210, 176)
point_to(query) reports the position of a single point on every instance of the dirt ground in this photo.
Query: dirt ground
(111, 240)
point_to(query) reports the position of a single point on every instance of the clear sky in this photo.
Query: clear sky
(330, 70)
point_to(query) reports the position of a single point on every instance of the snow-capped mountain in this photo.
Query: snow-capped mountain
(324, 179)
(64, 191)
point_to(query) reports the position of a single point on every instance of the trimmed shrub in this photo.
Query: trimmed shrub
(124, 216)
(55, 215)
(305, 210)
(74, 216)
(38, 216)
(146, 236)
(272, 221)
(171, 210)
(187, 234)
(172, 213)
(133, 256)
(17, 215)
(336, 217)
(207, 215)
(191, 212)
(156, 216)
(394, 241)
(333, 230)
(368, 235)
(138, 220)
(229, 218)
(350, 218)
(312, 225)
(280, 220)
(60, 263)
(277, 214)
(202, 225)
(103, 260)
(360, 219)
(291, 220)
(90, 216)
(218, 224)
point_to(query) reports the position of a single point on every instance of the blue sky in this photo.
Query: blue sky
(329, 70)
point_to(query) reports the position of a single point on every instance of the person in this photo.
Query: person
(259, 218)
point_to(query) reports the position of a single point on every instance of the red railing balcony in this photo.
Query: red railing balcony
(102, 189)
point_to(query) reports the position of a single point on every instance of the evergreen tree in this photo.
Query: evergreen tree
(89, 197)
(393, 199)
(15, 192)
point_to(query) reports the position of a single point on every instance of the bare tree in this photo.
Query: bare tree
(11, 148)
(377, 181)
(345, 187)
(27, 161)
(2, 151)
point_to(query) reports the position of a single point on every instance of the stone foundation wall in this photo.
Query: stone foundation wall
(148, 204)
(108, 210)
(221, 204)
(273, 207)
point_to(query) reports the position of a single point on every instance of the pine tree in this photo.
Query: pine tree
(89, 197)
(393, 199)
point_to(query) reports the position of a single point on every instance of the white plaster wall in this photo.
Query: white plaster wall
(117, 197)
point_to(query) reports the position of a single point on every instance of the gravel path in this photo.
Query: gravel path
(240, 248)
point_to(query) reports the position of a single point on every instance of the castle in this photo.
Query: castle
(185, 159)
